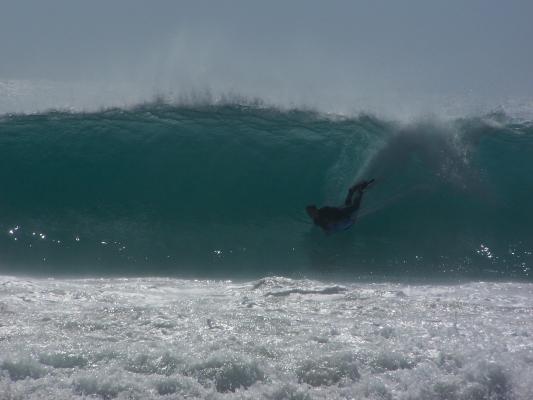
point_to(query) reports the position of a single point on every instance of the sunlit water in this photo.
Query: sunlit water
(275, 338)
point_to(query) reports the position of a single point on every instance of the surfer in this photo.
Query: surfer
(333, 219)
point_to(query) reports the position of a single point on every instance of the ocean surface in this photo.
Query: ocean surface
(274, 338)
(163, 252)
(220, 191)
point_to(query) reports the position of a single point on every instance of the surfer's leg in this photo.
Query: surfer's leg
(357, 200)
(357, 188)
(353, 205)
(348, 201)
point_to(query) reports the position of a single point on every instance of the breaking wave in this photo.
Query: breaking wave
(221, 190)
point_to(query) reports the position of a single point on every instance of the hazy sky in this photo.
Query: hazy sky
(291, 49)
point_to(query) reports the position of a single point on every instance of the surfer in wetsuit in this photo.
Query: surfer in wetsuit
(333, 219)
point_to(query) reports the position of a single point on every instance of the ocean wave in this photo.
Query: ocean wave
(217, 189)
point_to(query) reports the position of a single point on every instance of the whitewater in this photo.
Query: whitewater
(156, 162)
(163, 251)
(273, 338)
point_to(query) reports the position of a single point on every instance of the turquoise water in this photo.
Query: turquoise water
(221, 191)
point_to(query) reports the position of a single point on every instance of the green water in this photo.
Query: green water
(221, 191)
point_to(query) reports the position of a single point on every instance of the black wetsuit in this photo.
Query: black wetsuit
(339, 218)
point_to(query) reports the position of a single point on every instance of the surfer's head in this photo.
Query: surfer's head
(312, 211)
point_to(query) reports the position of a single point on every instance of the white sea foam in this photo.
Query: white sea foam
(276, 338)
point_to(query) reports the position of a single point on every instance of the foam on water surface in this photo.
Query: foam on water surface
(275, 338)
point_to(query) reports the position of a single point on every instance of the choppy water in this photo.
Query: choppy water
(273, 338)
(428, 296)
